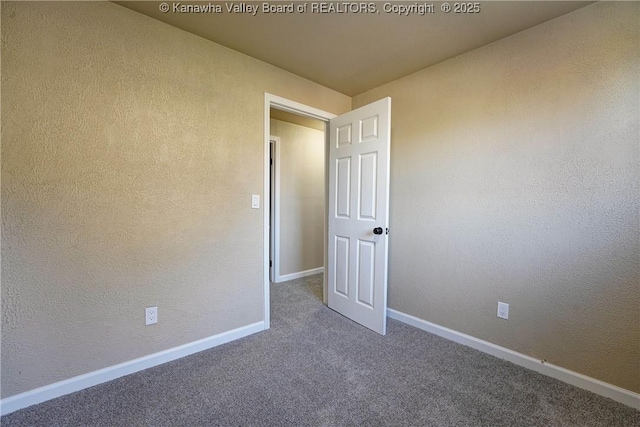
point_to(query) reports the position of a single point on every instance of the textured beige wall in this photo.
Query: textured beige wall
(301, 197)
(130, 150)
(515, 177)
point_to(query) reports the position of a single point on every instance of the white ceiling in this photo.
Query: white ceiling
(354, 52)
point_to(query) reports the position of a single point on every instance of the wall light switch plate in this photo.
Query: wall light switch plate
(255, 201)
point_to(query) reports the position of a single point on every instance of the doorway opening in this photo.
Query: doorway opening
(296, 202)
(287, 111)
(356, 165)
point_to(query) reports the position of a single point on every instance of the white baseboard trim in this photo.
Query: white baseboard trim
(299, 274)
(618, 394)
(51, 391)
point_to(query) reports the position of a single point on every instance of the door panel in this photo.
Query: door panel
(341, 278)
(367, 186)
(343, 188)
(359, 203)
(366, 272)
(369, 128)
(344, 135)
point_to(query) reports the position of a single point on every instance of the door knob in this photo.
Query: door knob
(377, 230)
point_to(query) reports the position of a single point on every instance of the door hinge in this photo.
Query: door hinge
(271, 161)
(270, 263)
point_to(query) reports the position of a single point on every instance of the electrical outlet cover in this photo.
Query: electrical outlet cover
(151, 315)
(503, 310)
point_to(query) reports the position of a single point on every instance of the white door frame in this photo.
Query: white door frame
(274, 218)
(274, 101)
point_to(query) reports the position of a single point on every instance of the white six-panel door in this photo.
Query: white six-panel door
(358, 204)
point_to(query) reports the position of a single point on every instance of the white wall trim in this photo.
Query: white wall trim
(299, 274)
(275, 224)
(298, 108)
(618, 394)
(303, 110)
(51, 391)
